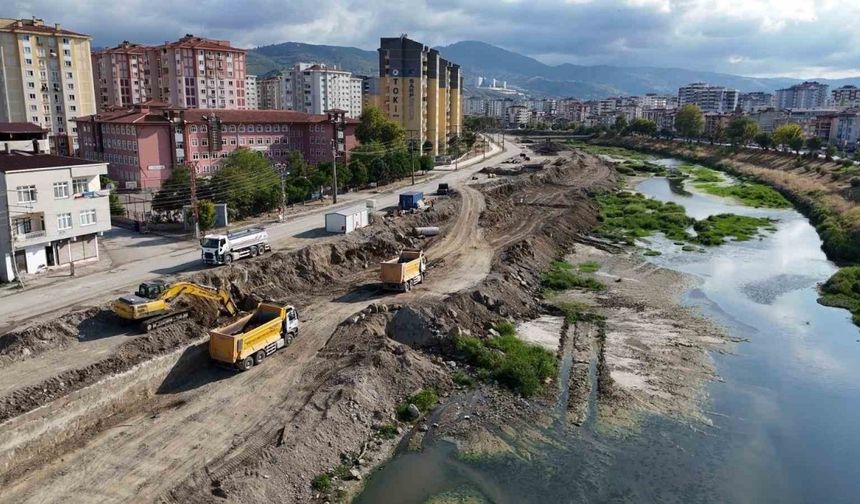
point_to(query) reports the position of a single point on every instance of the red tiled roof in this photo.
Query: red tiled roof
(192, 42)
(20, 127)
(27, 27)
(29, 161)
(124, 48)
(257, 116)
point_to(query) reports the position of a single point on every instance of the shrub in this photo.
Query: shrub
(517, 365)
(842, 290)
(855, 182)
(560, 277)
(463, 379)
(321, 483)
(589, 266)
(424, 400)
(388, 431)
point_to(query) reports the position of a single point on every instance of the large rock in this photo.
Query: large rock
(413, 411)
(415, 327)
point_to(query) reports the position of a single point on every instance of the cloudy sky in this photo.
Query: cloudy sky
(797, 38)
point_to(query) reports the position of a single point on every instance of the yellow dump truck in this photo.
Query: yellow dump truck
(404, 271)
(250, 339)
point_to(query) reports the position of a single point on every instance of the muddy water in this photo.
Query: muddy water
(785, 417)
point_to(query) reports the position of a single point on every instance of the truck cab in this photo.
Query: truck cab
(214, 247)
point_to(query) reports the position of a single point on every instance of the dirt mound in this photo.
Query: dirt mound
(549, 148)
(35, 339)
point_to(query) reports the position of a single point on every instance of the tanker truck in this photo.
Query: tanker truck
(226, 248)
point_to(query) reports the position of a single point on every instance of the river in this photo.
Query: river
(785, 417)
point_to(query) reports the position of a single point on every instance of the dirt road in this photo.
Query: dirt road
(215, 414)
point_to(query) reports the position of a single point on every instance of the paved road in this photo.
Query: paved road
(170, 260)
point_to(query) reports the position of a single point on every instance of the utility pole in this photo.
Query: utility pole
(195, 215)
(12, 250)
(281, 170)
(412, 153)
(337, 118)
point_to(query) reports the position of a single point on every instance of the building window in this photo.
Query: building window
(64, 221)
(193, 128)
(61, 190)
(195, 156)
(80, 185)
(26, 194)
(194, 142)
(88, 217)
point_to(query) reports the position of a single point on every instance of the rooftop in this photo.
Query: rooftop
(191, 42)
(21, 160)
(257, 116)
(20, 127)
(35, 25)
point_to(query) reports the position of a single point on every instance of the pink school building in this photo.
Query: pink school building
(143, 142)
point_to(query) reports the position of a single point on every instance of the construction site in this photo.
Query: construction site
(94, 408)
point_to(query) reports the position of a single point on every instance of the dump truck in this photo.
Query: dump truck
(152, 305)
(253, 337)
(226, 248)
(404, 271)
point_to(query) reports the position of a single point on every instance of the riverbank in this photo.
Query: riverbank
(820, 190)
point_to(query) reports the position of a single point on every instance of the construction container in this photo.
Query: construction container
(411, 199)
(346, 221)
(426, 231)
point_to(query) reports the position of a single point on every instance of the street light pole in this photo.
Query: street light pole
(337, 118)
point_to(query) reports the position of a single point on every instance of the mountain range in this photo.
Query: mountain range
(524, 72)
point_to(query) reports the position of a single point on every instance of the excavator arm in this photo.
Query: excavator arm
(202, 291)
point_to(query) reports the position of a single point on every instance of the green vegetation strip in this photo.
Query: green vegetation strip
(842, 290)
(627, 216)
(515, 364)
(424, 400)
(562, 277)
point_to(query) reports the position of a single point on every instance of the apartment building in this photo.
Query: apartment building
(314, 88)
(197, 72)
(709, 98)
(251, 94)
(270, 94)
(845, 130)
(807, 95)
(56, 211)
(755, 101)
(420, 90)
(143, 143)
(846, 96)
(122, 76)
(47, 78)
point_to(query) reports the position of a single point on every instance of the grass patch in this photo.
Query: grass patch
(574, 311)
(652, 253)
(715, 229)
(628, 216)
(321, 483)
(562, 277)
(388, 431)
(424, 400)
(842, 290)
(588, 266)
(463, 379)
(750, 194)
(515, 364)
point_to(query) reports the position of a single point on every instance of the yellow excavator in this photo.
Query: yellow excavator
(151, 306)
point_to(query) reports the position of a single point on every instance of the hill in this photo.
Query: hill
(524, 72)
(265, 59)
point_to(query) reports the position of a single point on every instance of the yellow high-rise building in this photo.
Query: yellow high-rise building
(420, 90)
(46, 78)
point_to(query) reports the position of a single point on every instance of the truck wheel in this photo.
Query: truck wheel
(254, 251)
(259, 356)
(246, 363)
(228, 258)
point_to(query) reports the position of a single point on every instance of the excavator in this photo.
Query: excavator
(151, 306)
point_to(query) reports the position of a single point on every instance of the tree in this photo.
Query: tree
(359, 172)
(620, 124)
(813, 145)
(718, 134)
(788, 135)
(689, 121)
(375, 127)
(379, 171)
(206, 214)
(829, 151)
(248, 183)
(764, 140)
(426, 163)
(643, 127)
(116, 207)
(175, 192)
(741, 131)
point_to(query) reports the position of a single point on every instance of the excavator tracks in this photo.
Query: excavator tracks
(163, 320)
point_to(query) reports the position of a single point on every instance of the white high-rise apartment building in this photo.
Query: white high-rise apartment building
(46, 78)
(709, 98)
(808, 95)
(315, 88)
(251, 99)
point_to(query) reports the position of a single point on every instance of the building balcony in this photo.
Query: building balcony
(31, 238)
